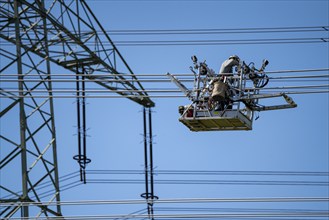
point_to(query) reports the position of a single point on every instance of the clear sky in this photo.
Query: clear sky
(286, 140)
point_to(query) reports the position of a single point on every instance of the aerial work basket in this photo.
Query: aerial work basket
(226, 101)
(205, 120)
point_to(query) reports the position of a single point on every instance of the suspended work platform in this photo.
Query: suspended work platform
(228, 120)
(226, 101)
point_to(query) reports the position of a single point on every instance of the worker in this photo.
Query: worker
(227, 65)
(186, 111)
(220, 92)
(219, 98)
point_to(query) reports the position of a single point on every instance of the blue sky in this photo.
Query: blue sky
(286, 140)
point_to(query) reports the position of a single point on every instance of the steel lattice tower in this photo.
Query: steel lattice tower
(35, 35)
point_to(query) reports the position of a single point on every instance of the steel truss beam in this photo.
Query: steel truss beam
(73, 41)
(31, 139)
(42, 33)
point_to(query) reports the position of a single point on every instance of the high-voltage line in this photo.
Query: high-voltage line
(179, 200)
(176, 74)
(223, 42)
(214, 42)
(313, 85)
(161, 90)
(71, 180)
(212, 182)
(285, 215)
(214, 172)
(251, 30)
(206, 212)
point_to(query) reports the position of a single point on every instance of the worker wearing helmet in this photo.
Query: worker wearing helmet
(220, 92)
(227, 65)
(226, 70)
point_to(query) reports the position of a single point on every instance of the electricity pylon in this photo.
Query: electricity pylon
(35, 36)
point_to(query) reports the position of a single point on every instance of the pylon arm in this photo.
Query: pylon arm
(87, 51)
(183, 88)
(256, 107)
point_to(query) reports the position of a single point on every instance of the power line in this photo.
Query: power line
(135, 96)
(212, 172)
(213, 42)
(175, 201)
(248, 30)
(210, 182)
(46, 184)
(195, 209)
(190, 216)
(149, 78)
(196, 179)
(221, 42)
(154, 90)
(226, 41)
(220, 30)
(160, 74)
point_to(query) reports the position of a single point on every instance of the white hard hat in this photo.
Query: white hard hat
(235, 57)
